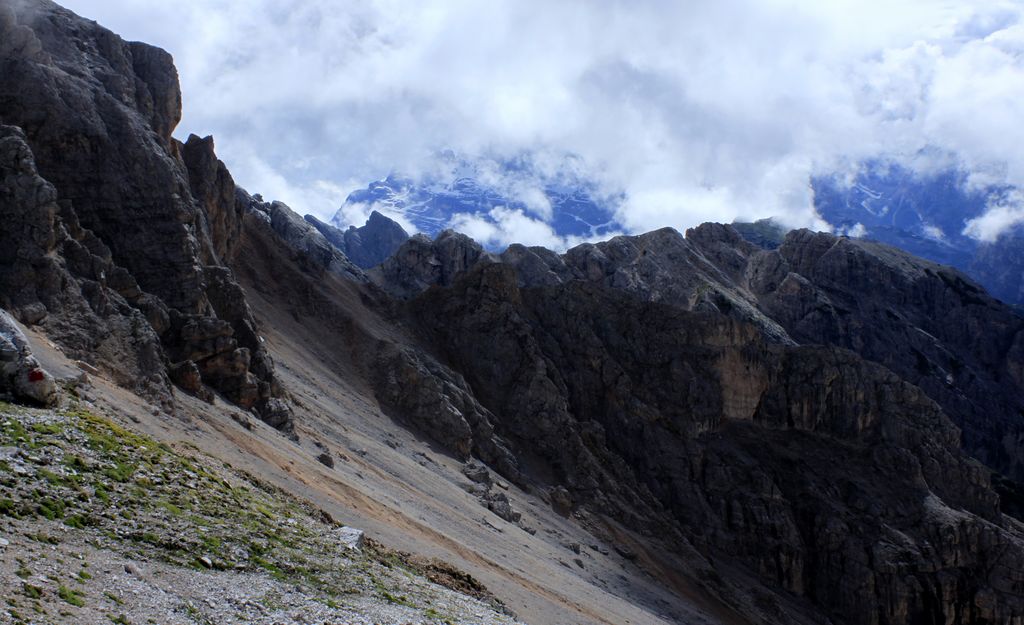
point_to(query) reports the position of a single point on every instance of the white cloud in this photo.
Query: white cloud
(1001, 214)
(856, 231)
(356, 214)
(696, 110)
(503, 226)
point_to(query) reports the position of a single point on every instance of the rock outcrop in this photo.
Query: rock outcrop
(768, 406)
(421, 262)
(368, 245)
(919, 319)
(309, 247)
(119, 233)
(61, 277)
(20, 373)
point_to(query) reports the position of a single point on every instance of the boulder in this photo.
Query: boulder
(477, 472)
(350, 537)
(20, 373)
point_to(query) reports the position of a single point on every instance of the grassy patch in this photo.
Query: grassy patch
(71, 597)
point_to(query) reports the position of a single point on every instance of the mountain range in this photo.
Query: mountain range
(927, 215)
(262, 418)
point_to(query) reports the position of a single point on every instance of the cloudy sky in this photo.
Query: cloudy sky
(694, 110)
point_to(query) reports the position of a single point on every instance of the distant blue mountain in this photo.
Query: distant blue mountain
(569, 204)
(925, 215)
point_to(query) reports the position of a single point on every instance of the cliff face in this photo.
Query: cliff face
(796, 461)
(664, 378)
(129, 225)
(921, 320)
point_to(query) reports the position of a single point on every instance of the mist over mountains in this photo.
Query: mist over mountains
(695, 112)
(941, 215)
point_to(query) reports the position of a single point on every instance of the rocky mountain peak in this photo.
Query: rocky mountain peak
(368, 245)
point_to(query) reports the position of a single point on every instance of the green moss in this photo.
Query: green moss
(77, 463)
(51, 509)
(72, 597)
(84, 576)
(101, 493)
(120, 472)
(398, 600)
(170, 507)
(30, 591)
(44, 538)
(79, 521)
(9, 508)
(275, 571)
(15, 430)
(51, 429)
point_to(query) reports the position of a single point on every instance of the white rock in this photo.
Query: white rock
(351, 537)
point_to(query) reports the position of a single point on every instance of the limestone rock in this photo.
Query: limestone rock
(118, 233)
(350, 537)
(309, 247)
(20, 373)
(499, 504)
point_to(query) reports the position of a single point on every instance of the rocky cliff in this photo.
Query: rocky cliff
(646, 374)
(119, 232)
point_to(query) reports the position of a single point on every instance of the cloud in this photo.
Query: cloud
(1001, 215)
(693, 110)
(356, 214)
(504, 226)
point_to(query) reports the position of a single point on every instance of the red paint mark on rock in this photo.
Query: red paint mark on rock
(36, 375)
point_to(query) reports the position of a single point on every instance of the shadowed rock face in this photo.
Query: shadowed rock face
(366, 246)
(663, 378)
(927, 323)
(136, 222)
(921, 320)
(56, 274)
(420, 263)
(796, 461)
